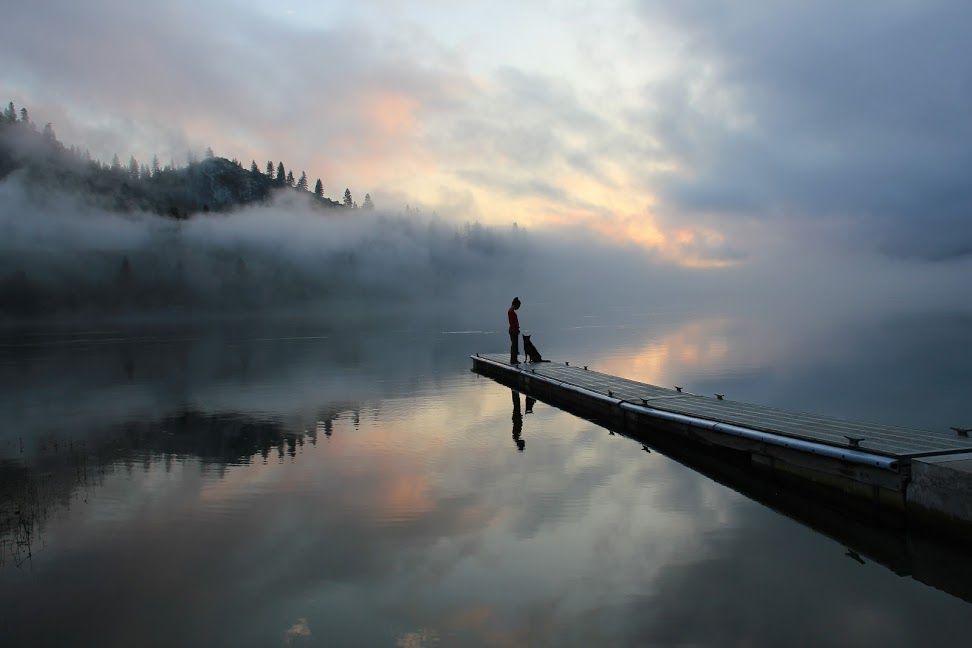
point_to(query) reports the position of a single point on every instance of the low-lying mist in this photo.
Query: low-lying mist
(61, 258)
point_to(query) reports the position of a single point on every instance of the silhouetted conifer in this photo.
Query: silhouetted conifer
(178, 191)
(367, 202)
(209, 153)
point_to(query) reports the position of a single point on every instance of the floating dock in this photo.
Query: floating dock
(927, 475)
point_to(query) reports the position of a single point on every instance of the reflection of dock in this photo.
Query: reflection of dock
(926, 474)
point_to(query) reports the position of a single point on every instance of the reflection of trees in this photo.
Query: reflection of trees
(29, 493)
(59, 471)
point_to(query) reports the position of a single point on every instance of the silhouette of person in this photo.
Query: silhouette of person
(514, 331)
(517, 421)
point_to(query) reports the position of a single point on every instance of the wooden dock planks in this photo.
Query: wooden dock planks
(888, 440)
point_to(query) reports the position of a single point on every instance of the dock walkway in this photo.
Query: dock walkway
(920, 469)
(887, 440)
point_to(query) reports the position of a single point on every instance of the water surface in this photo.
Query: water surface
(301, 483)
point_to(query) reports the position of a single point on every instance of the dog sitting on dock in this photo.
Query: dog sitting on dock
(531, 351)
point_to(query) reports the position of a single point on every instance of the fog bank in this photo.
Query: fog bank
(62, 258)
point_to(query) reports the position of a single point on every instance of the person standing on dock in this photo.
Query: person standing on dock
(514, 331)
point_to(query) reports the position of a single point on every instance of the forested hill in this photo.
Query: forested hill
(209, 184)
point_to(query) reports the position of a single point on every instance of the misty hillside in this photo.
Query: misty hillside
(83, 239)
(210, 184)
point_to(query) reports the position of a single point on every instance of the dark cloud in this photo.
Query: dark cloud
(822, 109)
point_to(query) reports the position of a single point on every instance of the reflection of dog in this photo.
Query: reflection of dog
(531, 351)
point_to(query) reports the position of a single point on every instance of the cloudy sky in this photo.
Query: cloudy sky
(701, 130)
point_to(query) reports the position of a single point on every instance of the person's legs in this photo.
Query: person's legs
(514, 347)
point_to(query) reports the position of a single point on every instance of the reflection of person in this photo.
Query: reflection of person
(514, 331)
(518, 421)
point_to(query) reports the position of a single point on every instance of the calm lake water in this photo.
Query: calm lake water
(305, 484)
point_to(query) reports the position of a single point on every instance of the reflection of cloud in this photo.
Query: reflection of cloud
(417, 639)
(694, 346)
(406, 496)
(297, 634)
(475, 616)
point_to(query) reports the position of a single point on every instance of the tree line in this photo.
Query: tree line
(158, 182)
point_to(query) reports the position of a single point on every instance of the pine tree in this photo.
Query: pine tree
(144, 173)
(367, 202)
(281, 174)
(155, 165)
(24, 117)
(290, 178)
(209, 153)
(115, 163)
(254, 169)
(10, 114)
(49, 133)
(270, 169)
(133, 167)
(319, 189)
(302, 183)
(348, 201)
